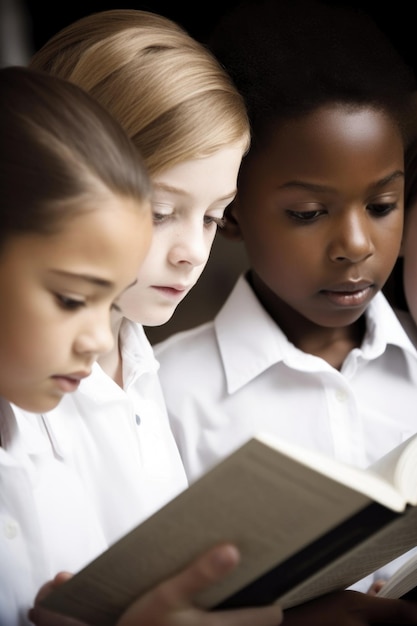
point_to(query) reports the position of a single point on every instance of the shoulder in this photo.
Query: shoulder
(186, 345)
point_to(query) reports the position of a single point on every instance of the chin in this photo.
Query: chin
(158, 320)
(39, 405)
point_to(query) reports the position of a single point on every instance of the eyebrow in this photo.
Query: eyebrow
(183, 192)
(89, 278)
(299, 184)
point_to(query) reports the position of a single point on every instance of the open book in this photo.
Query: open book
(403, 581)
(305, 525)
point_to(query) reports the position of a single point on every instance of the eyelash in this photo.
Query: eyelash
(305, 216)
(160, 218)
(71, 304)
(378, 210)
(382, 209)
(219, 221)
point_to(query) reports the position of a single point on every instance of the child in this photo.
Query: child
(189, 122)
(75, 224)
(306, 346)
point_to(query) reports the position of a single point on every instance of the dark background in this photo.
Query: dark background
(198, 17)
(227, 259)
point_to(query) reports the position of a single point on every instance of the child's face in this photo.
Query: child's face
(56, 295)
(320, 209)
(189, 203)
(409, 253)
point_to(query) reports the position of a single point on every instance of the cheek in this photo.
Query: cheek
(25, 348)
(18, 323)
(209, 240)
(132, 302)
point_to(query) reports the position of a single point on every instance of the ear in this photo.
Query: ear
(231, 228)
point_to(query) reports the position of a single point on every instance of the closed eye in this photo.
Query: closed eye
(382, 209)
(219, 221)
(305, 216)
(159, 218)
(69, 304)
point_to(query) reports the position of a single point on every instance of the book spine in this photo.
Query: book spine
(310, 560)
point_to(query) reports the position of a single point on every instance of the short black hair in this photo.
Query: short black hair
(288, 57)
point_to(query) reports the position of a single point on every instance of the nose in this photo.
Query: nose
(95, 337)
(351, 237)
(191, 245)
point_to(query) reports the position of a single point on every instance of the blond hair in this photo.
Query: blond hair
(166, 89)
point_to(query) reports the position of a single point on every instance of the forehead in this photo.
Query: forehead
(328, 139)
(215, 174)
(106, 244)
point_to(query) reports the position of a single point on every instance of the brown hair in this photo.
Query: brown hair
(60, 149)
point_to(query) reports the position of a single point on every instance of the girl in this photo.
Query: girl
(75, 225)
(190, 124)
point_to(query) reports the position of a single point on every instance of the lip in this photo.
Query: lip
(172, 291)
(68, 383)
(350, 293)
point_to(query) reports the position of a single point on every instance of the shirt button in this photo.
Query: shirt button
(341, 395)
(137, 419)
(10, 529)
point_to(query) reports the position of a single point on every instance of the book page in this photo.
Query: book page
(375, 482)
(400, 583)
(399, 467)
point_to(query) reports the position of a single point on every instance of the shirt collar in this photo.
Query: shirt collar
(137, 352)
(383, 328)
(138, 359)
(23, 432)
(250, 342)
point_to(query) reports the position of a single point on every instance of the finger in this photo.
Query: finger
(376, 587)
(173, 600)
(209, 568)
(46, 589)
(42, 617)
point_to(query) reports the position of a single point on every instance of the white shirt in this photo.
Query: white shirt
(76, 479)
(228, 379)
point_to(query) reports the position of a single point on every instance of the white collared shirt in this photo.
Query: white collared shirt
(76, 479)
(235, 376)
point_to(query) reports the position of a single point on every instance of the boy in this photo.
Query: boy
(306, 346)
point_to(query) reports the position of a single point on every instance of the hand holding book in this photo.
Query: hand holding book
(305, 525)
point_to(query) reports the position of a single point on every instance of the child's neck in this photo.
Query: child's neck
(331, 344)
